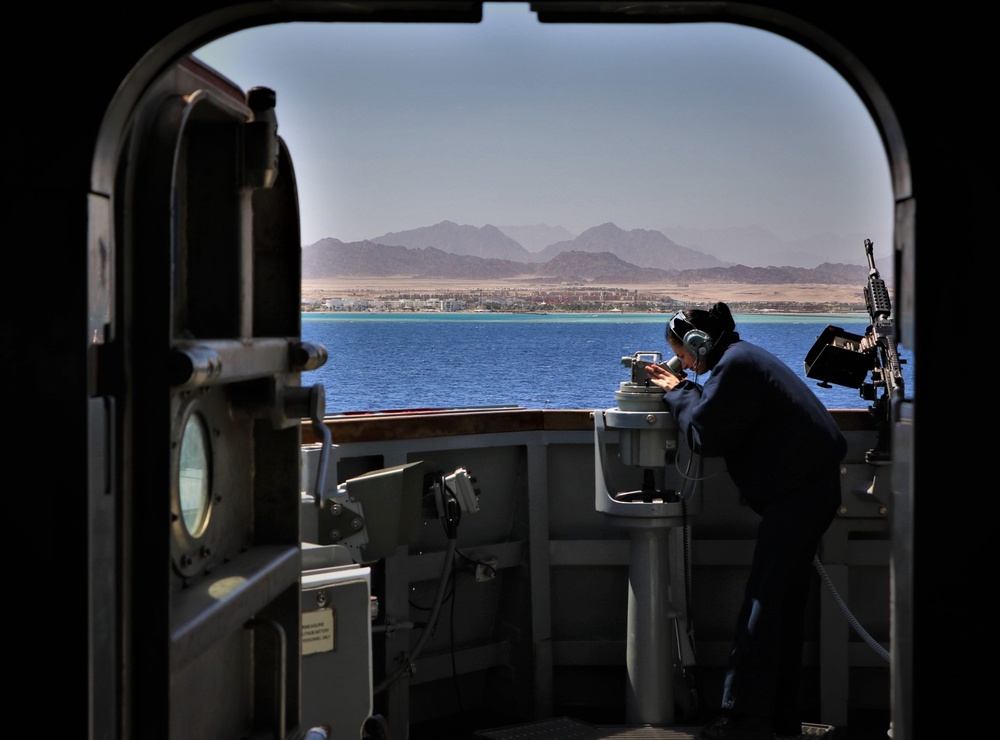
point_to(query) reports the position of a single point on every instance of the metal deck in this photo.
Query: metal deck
(564, 728)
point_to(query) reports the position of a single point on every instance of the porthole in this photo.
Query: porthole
(194, 475)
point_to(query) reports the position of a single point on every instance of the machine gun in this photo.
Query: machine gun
(887, 373)
(846, 359)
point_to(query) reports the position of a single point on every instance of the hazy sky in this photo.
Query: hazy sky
(513, 122)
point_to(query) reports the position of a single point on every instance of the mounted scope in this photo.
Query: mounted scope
(638, 362)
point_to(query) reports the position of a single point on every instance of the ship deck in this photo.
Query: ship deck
(568, 728)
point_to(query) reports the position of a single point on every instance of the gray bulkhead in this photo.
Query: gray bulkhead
(545, 633)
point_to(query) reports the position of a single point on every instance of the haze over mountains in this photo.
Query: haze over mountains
(601, 253)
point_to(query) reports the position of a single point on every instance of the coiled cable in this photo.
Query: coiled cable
(847, 612)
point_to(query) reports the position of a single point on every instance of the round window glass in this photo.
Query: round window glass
(194, 474)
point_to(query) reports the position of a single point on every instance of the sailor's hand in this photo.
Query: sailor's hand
(661, 377)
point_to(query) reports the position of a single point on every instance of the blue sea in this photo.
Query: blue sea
(390, 361)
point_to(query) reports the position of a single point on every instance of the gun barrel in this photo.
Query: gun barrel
(870, 253)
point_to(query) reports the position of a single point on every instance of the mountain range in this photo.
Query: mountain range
(604, 253)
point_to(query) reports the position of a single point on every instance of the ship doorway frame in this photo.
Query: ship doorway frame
(105, 291)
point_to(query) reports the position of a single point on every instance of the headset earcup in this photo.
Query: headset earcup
(698, 343)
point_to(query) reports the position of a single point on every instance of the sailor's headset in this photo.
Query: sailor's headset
(647, 439)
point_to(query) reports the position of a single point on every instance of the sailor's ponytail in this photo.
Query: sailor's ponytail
(721, 318)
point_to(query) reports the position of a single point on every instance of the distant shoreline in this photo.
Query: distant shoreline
(555, 312)
(784, 298)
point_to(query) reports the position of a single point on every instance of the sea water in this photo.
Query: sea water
(391, 361)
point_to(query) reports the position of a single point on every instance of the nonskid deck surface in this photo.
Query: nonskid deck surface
(565, 728)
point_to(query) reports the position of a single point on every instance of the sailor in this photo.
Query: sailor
(782, 449)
